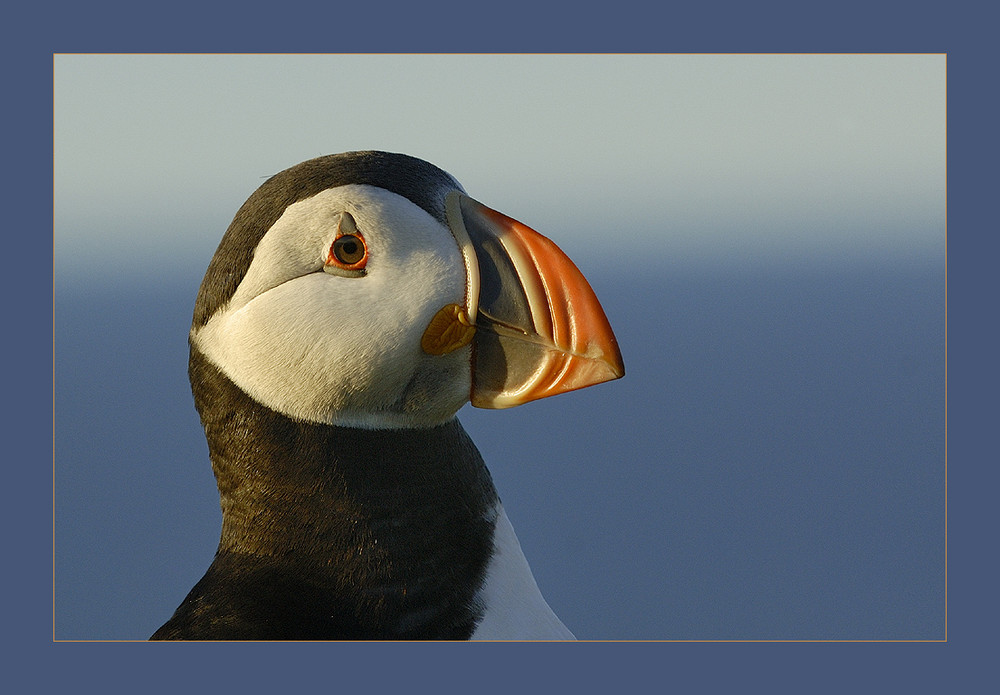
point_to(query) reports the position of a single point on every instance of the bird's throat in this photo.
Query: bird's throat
(394, 527)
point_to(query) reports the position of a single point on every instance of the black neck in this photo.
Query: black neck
(336, 533)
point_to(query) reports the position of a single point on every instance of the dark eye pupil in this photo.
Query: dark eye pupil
(348, 249)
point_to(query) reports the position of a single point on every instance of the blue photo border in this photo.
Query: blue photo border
(961, 31)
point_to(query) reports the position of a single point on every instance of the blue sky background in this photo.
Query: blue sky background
(718, 158)
(767, 234)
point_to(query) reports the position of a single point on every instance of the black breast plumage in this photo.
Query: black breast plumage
(337, 533)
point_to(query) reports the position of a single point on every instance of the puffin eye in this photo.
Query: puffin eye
(348, 252)
(349, 249)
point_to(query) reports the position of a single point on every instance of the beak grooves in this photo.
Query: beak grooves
(542, 330)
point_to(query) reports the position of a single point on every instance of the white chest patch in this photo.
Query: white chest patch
(515, 608)
(339, 349)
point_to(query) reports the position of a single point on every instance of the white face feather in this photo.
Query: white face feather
(342, 350)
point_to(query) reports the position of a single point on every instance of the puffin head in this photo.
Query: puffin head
(366, 289)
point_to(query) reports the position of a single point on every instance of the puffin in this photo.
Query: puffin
(354, 305)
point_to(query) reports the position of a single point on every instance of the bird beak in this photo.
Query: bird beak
(535, 324)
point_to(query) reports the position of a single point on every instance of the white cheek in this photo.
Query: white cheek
(324, 348)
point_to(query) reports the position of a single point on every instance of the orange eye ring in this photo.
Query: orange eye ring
(348, 252)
